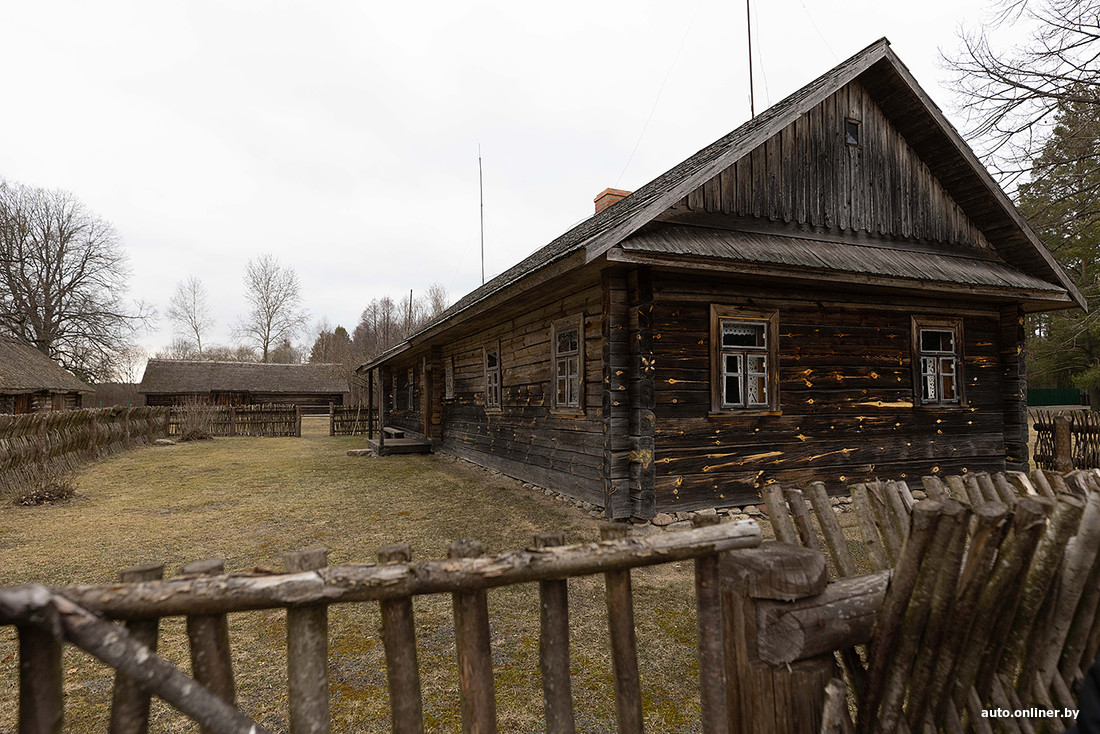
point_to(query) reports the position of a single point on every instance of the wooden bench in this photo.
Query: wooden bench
(392, 432)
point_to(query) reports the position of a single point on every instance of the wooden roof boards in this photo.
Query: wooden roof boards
(182, 376)
(24, 369)
(891, 87)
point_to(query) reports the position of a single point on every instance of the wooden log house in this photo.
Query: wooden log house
(178, 381)
(835, 290)
(31, 382)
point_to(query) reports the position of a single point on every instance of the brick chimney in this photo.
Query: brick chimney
(607, 197)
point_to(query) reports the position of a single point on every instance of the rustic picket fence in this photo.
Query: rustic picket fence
(985, 595)
(351, 420)
(1081, 439)
(267, 420)
(46, 618)
(37, 445)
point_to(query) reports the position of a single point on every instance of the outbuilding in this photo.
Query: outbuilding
(31, 382)
(181, 381)
(835, 290)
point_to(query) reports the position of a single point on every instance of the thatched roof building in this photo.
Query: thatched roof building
(176, 381)
(30, 381)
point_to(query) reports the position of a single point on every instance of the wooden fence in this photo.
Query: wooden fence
(351, 420)
(1081, 441)
(46, 618)
(35, 445)
(984, 596)
(268, 420)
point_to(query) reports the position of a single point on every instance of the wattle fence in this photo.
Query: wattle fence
(268, 420)
(1081, 442)
(350, 420)
(37, 445)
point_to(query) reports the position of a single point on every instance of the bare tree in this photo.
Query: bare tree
(1014, 93)
(277, 314)
(63, 275)
(189, 310)
(435, 300)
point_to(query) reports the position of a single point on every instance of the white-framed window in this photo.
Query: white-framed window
(937, 361)
(492, 377)
(744, 357)
(448, 377)
(567, 364)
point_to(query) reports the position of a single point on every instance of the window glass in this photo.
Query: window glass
(566, 363)
(743, 334)
(938, 366)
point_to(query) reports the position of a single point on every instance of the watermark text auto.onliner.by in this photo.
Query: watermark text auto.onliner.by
(1029, 713)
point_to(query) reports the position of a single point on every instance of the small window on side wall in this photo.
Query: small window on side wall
(449, 378)
(492, 377)
(567, 365)
(937, 362)
(412, 391)
(393, 393)
(744, 360)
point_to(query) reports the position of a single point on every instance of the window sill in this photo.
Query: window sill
(494, 411)
(567, 413)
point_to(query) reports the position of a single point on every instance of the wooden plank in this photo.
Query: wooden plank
(307, 653)
(475, 657)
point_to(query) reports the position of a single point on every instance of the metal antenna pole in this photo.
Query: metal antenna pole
(481, 193)
(748, 26)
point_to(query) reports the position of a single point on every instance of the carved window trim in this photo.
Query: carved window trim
(721, 357)
(494, 384)
(567, 367)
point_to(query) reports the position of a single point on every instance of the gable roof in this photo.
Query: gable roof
(25, 369)
(901, 99)
(200, 376)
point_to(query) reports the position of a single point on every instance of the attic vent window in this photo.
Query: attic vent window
(851, 132)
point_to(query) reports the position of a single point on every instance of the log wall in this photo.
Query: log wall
(846, 395)
(526, 438)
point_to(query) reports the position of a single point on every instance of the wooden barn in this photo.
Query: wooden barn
(179, 381)
(31, 382)
(835, 290)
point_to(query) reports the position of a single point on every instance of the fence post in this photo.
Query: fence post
(624, 651)
(1063, 445)
(129, 703)
(708, 603)
(307, 653)
(40, 685)
(208, 635)
(331, 419)
(232, 420)
(475, 658)
(554, 647)
(762, 697)
(298, 421)
(399, 639)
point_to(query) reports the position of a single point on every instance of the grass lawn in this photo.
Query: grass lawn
(249, 500)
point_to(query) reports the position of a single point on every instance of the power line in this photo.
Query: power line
(659, 90)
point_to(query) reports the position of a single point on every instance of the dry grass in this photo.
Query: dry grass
(250, 499)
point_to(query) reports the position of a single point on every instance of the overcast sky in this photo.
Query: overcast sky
(343, 136)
